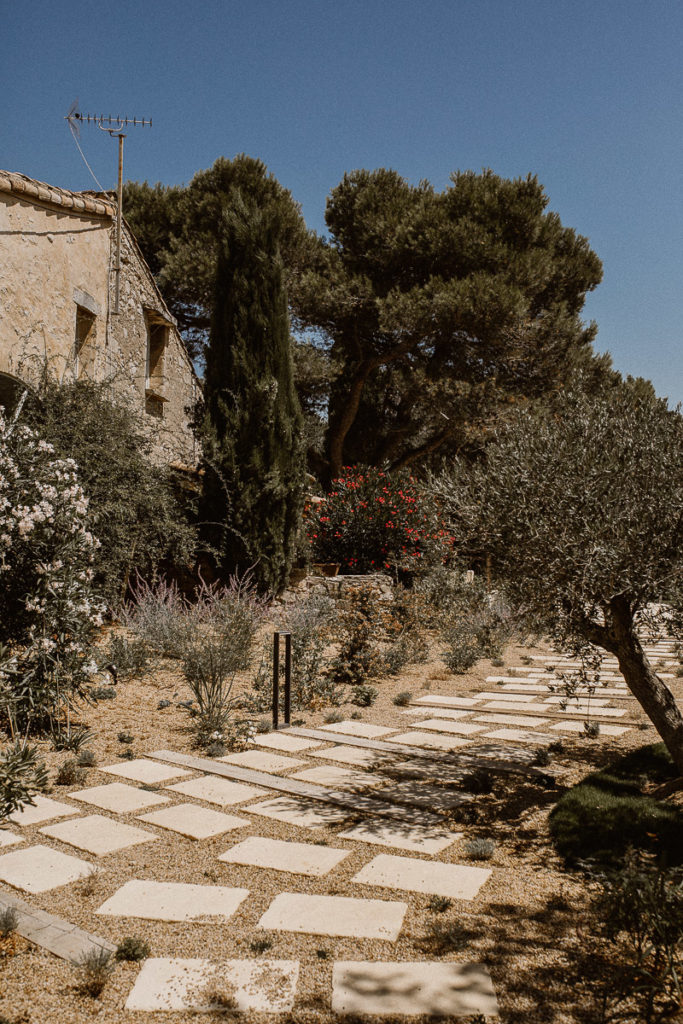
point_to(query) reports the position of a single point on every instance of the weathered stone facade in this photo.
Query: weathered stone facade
(338, 587)
(57, 308)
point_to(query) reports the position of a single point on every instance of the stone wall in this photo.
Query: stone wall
(337, 587)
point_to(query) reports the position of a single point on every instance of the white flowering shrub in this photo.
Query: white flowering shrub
(48, 612)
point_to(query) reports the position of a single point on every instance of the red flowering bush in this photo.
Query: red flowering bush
(373, 521)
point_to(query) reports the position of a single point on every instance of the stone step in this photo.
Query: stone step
(55, 934)
(530, 710)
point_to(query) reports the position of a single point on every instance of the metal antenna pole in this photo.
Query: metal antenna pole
(119, 217)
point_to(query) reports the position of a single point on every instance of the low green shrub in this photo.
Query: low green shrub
(132, 948)
(94, 969)
(480, 849)
(403, 699)
(70, 773)
(22, 775)
(364, 696)
(462, 650)
(439, 904)
(130, 657)
(70, 737)
(9, 921)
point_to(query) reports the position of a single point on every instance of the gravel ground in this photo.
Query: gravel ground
(522, 925)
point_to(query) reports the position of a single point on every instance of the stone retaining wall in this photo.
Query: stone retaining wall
(337, 587)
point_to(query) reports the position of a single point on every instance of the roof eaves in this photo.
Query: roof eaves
(38, 191)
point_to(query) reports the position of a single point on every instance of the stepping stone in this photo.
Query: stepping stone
(350, 755)
(518, 736)
(193, 821)
(439, 713)
(504, 705)
(455, 702)
(172, 901)
(279, 855)
(334, 915)
(299, 811)
(571, 702)
(166, 983)
(412, 837)
(43, 810)
(441, 725)
(283, 741)
(215, 790)
(97, 834)
(458, 881)
(8, 838)
(512, 720)
(142, 770)
(428, 739)
(519, 697)
(418, 794)
(423, 988)
(40, 868)
(262, 761)
(118, 797)
(605, 730)
(344, 778)
(592, 710)
(352, 728)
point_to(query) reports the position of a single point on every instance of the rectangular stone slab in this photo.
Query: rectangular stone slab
(44, 809)
(193, 821)
(279, 855)
(605, 730)
(518, 697)
(510, 706)
(262, 761)
(518, 736)
(215, 790)
(334, 915)
(458, 881)
(119, 798)
(344, 778)
(415, 838)
(164, 983)
(572, 702)
(98, 834)
(455, 702)
(172, 901)
(283, 741)
(430, 739)
(350, 755)
(512, 720)
(421, 987)
(446, 713)
(353, 728)
(418, 794)
(40, 868)
(142, 770)
(8, 838)
(441, 725)
(298, 811)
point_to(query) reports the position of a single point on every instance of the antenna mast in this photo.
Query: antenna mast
(114, 126)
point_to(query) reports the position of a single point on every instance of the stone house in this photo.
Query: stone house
(58, 310)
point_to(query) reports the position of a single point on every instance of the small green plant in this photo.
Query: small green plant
(462, 650)
(86, 759)
(439, 904)
(70, 773)
(526, 659)
(70, 737)
(479, 781)
(264, 725)
(132, 948)
(591, 730)
(125, 737)
(356, 715)
(480, 849)
(334, 716)
(103, 693)
(9, 921)
(542, 757)
(445, 937)
(94, 969)
(216, 749)
(130, 657)
(21, 776)
(260, 945)
(556, 747)
(363, 695)
(402, 699)
(499, 663)
(322, 954)
(127, 755)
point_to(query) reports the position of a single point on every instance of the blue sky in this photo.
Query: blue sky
(586, 95)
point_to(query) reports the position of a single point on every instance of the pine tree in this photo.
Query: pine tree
(254, 459)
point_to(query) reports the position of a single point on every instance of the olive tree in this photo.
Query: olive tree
(580, 509)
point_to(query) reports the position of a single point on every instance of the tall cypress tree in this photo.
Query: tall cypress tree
(254, 459)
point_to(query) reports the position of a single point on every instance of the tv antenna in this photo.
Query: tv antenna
(115, 127)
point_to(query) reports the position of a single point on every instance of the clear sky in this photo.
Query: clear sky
(586, 94)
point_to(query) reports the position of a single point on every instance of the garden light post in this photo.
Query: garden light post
(276, 678)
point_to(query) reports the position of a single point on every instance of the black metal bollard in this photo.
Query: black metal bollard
(276, 678)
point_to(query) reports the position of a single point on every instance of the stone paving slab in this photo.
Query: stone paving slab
(283, 741)
(458, 881)
(519, 736)
(119, 798)
(193, 821)
(422, 987)
(142, 770)
(8, 838)
(172, 901)
(512, 706)
(298, 811)
(353, 728)
(262, 761)
(428, 739)
(350, 755)
(454, 702)
(98, 834)
(612, 692)
(282, 855)
(571, 702)
(335, 915)
(40, 868)
(55, 934)
(166, 983)
(215, 790)
(605, 729)
(443, 725)
(43, 810)
(344, 778)
(521, 698)
(513, 720)
(412, 837)
(421, 794)
(451, 716)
